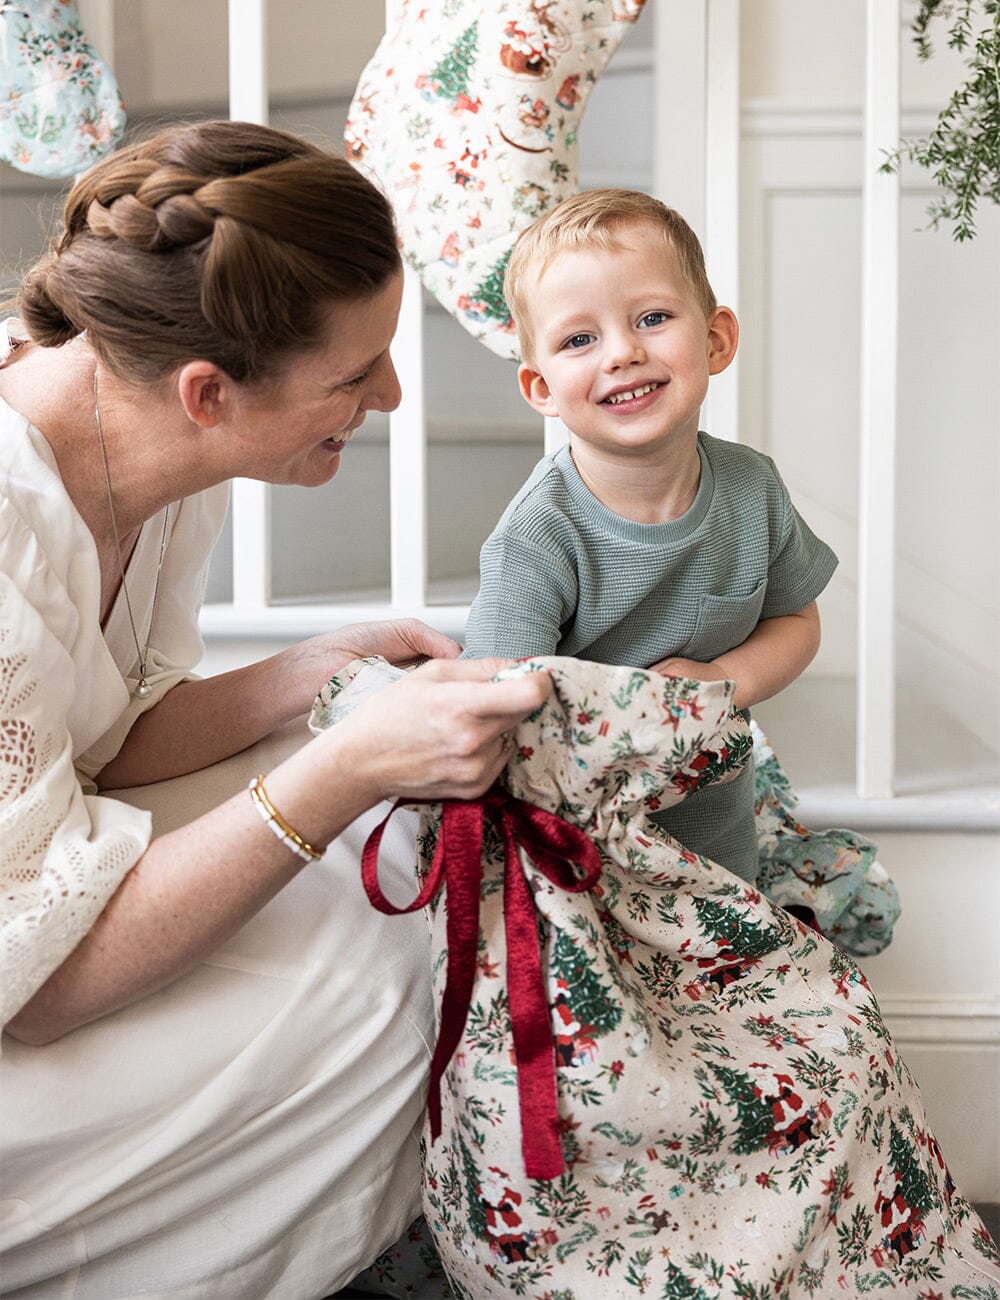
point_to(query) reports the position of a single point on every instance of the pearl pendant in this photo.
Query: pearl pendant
(143, 691)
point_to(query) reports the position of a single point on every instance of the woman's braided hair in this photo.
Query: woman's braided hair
(218, 240)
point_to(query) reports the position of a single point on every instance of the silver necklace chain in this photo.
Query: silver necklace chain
(143, 689)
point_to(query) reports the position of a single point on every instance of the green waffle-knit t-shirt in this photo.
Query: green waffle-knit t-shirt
(561, 574)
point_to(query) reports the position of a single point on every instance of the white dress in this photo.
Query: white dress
(249, 1130)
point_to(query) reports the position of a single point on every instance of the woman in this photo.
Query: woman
(215, 1049)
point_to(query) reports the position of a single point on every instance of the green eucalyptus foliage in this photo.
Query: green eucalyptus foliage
(963, 150)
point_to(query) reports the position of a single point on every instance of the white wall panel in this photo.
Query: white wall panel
(799, 395)
(809, 415)
(949, 402)
(939, 985)
(614, 145)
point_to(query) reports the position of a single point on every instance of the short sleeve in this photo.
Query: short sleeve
(800, 564)
(62, 853)
(526, 594)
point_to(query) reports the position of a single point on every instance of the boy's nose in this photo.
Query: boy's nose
(623, 349)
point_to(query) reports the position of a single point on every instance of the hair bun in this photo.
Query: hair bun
(47, 323)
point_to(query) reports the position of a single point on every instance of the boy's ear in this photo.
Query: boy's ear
(723, 339)
(535, 390)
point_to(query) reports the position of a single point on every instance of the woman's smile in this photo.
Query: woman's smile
(339, 440)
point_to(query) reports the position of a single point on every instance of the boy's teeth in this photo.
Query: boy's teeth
(627, 397)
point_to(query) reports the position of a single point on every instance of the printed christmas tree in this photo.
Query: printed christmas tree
(730, 928)
(488, 294)
(754, 1118)
(477, 1215)
(914, 1184)
(451, 76)
(680, 1287)
(589, 998)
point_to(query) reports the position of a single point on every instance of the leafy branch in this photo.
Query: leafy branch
(963, 150)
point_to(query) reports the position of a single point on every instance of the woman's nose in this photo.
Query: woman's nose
(384, 392)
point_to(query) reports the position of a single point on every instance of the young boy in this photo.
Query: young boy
(644, 541)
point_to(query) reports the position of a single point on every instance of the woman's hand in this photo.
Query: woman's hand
(442, 732)
(200, 722)
(402, 642)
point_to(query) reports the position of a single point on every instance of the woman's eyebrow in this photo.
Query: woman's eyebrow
(360, 369)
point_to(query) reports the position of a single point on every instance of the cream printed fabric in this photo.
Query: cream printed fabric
(730, 1115)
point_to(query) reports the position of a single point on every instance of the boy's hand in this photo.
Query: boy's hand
(771, 658)
(677, 667)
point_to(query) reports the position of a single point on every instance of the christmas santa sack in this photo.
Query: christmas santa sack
(649, 1078)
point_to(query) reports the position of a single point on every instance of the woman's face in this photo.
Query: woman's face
(294, 428)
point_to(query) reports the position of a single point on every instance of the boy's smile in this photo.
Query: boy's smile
(623, 350)
(631, 394)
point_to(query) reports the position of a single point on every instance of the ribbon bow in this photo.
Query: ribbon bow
(554, 846)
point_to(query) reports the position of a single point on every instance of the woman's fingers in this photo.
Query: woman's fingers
(469, 670)
(444, 730)
(401, 641)
(476, 715)
(427, 641)
(473, 670)
(512, 700)
(497, 705)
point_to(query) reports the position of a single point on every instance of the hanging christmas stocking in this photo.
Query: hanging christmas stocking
(468, 116)
(60, 108)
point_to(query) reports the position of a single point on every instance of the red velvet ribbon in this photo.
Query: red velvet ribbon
(554, 846)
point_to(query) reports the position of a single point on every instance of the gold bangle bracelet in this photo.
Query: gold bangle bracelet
(277, 825)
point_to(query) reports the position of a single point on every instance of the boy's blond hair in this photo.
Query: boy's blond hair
(595, 217)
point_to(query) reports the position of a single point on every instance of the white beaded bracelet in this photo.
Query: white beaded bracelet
(274, 821)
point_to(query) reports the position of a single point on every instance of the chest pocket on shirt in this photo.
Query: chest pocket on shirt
(723, 622)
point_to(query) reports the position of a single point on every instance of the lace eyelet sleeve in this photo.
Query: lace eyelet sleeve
(62, 853)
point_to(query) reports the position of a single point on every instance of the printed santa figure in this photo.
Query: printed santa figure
(574, 1046)
(903, 1226)
(794, 1123)
(506, 1238)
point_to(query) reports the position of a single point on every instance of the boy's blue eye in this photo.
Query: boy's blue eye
(578, 341)
(653, 318)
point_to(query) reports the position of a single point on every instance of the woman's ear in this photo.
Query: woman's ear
(723, 339)
(202, 388)
(535, 390)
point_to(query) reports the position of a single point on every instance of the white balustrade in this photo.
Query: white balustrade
(408, 456)
(251, 501)
(876, 657)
